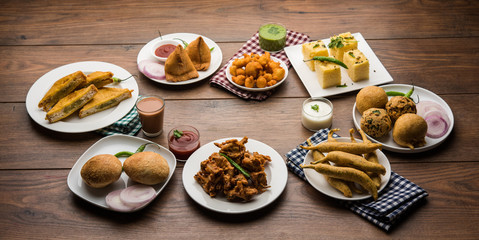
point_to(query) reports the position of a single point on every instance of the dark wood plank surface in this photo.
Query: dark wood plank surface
(430, 44)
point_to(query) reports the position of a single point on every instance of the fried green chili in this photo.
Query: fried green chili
(328, 59)
(244, 172)
(128, 153)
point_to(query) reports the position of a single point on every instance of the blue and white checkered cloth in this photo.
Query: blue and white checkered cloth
(130, 124)
(394, 200)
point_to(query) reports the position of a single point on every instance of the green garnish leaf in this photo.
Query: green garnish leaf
(183, 41)
(351, 54)
(336, 42)
(316, 45)
(177, 133)
(342, 85)
(211, 49)
(315, 107)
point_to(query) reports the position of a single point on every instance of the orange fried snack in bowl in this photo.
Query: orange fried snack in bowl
(256, 71)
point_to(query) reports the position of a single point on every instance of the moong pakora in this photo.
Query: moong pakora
(256, 71)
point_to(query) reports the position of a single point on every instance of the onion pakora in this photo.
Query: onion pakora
(218, 175)
(256, 71)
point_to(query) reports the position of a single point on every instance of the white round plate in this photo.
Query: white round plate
(276, 174)
(73, 124)
(424, 95)
(112, 145)
(283, 65)
(318, 181)
(216, 56)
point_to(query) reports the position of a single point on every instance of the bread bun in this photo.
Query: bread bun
(101, 170)
(148, 168)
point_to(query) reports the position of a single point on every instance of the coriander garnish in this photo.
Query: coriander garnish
(336, 43)
(315, 107)
(177, 133)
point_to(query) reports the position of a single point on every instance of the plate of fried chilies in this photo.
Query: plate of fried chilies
(213, 181)
(347, 168)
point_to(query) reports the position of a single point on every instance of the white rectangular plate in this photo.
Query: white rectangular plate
(377, 73)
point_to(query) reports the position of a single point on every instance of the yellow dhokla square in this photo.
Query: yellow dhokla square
(340, 44)
(313, 49)
(328, 73)
(358, 65)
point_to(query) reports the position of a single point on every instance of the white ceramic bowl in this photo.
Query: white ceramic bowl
(160, 43)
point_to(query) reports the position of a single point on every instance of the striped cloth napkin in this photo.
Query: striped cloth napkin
(394, 200)
(130, 124)
(252, 46)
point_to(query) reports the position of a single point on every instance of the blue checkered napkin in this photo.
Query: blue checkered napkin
(296, 156)
(396, 198)
(130, 124)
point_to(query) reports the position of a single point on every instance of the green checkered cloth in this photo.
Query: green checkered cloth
(130, 124)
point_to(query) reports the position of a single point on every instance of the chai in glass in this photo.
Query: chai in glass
(151, 110)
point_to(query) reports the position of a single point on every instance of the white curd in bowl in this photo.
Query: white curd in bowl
(317, 113)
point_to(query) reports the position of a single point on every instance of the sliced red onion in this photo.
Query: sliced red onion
(137, 195)
(114, 202)
(425, 106)
(436, 126)
(438, 113)
(152, 69)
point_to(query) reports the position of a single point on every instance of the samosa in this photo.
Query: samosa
(199, 53)
(178, 66)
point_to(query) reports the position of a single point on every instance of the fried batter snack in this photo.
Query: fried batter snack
(218, 175)
(256, 71)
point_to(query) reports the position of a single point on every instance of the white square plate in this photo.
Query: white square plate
(377, 73)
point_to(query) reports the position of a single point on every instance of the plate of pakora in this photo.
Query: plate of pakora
(421, 95)
(270, 71)
(320, 183)
(145, 56)
(74, 123)
(214, 183)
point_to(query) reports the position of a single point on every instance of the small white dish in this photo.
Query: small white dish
(424, 95)
(377, 72)
(282, 64)
(161, 43)
(73, 123)
(318, 181)
(276, 174)
(112, 145)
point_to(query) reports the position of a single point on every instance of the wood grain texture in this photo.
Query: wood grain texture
(121, 22)
(44, 207)
(427, 43)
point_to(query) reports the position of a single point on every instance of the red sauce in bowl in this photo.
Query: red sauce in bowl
(165, 50)
(185, 145)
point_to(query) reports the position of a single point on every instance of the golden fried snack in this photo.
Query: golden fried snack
(259, 71)
(348, 174)
(354, 148)
(60, 89)
(199, 53)
(179, 67)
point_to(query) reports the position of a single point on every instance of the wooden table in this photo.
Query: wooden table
(431, 44)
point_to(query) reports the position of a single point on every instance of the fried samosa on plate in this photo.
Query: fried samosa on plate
(199, 53)
(179, 67)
